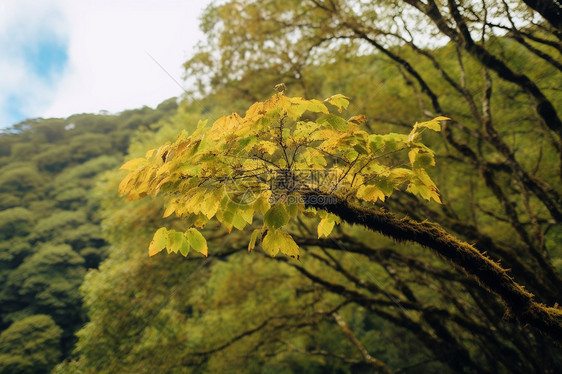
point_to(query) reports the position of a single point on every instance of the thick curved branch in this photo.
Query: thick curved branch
(520, 303)
(551, 11)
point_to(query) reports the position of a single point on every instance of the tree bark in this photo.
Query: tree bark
(549, 9)
(520, 304)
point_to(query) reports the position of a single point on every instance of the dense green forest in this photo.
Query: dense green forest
(50, 226)
(80, 293)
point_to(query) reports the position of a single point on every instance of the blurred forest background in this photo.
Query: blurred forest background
(80, 295)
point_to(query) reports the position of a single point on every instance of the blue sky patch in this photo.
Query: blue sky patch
(14, 110)
(46, 56)
(34, 59)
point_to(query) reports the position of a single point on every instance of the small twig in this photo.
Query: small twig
(376, 363)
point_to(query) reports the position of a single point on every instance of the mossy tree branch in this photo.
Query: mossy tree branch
(520, 304)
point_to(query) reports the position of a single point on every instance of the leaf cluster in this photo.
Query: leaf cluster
(263, 163)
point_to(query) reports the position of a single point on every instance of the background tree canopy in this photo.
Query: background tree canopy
(50, 231)
(356, 301)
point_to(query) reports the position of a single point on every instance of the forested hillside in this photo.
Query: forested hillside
(50, 233)
(75, 254)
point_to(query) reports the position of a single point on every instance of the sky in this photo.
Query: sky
(61, 57)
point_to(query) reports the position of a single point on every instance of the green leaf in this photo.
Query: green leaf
(158, 242)
(177, 242)
(339, 100)
(197, 241)
(393, 141)
(360, 149)
(376, 142)
(424, 160)
(383, 184)
(247, 143)
(238, 222)
(351, 155)
(276, 217)
(184, 248)
(293, 207)
(424, 186)
(316, 106)
(270, 243)
(336, 122)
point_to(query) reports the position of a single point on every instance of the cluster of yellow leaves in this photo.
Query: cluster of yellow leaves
(258, 165)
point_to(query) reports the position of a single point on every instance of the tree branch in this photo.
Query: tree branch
(520, 303)
(376, 363)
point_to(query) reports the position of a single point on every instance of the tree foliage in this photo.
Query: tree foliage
(50, 230)
(262, 164)
(30, 345)
(496, 178)
(357, 301)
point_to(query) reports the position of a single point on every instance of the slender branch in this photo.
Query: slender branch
(376, 363)
(544, 107)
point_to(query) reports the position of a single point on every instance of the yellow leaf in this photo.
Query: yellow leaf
(247, 214)
(433, 124)
(149, 153)
(323, 134)
(325, 227)
(160, 184)
(316, 106)
(158, 242)
(360, 119)
(399, 175)
(370, 193)
(270, 243)
(424, 186)
(412, 155)
(262, 204)
(197, 241)
(276, 240)
(211, 203)
(169, 209)
(297, 109)
(266, 146)
(255, 235)
(201, 124)
(340, 101)
(133, 164)
(193, 204)
(238, 221)
(288, 246)
(124, 184)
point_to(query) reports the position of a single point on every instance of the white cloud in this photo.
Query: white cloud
(22, 23)
(109, 41)
(108, 67)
